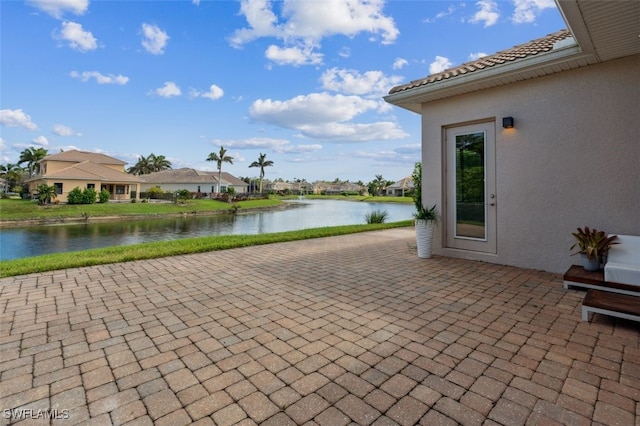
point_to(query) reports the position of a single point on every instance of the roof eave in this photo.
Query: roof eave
(542, 64)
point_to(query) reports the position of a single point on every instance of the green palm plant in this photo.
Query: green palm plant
(592, 243)
(422, 212)
(32, 157)
(262, 163)
(220, 158)
(46, 193)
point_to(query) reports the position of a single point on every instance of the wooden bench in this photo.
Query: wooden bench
(577, 276)
(612, 304)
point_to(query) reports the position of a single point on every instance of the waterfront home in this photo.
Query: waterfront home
(200, 183)
(400, 188)
(522, 147)
(81, 169)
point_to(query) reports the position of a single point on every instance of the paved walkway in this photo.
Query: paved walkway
(351, 329)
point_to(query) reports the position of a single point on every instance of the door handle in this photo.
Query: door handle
(492, 203)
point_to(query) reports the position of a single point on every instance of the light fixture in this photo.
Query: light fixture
(507, 122)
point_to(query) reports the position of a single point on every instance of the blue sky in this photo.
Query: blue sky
(301, 81)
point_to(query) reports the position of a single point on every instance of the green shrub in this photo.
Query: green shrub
(75, 196)
(377, 216)
(182, 196)
(103, 196)
(155, 192)
(89, 196)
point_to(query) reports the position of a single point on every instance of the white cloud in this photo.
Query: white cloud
(439, 64)
(62, 130)
(400, 63)
(196, 2)
(476, 56)
(301, 55)
(280, 146)
(352, 82)
(41, 141)
(77, 37)
(169, 90)
(528, 10)
(443, 14)
(154, 40)
(100, 78)
(215, 92)
(16, 118)
(57, 8)
(488, 13)
(304, 24)
(325, 116)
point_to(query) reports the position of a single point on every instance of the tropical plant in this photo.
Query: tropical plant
(262, 163)
(150, 164)
(12, 173)
(376, 216)
(155, 192)
(32, 157)
(182, 195)
(592, 243)
(422, 213)
(46, 193)
(220, 158)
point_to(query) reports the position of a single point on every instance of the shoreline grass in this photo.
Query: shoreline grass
(14, 211)
(152, 250)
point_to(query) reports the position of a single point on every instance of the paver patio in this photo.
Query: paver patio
(351, 329)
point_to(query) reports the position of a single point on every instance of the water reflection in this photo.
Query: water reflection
(33, 241)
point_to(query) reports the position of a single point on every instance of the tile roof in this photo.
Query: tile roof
(188, 175)
(183, 175)
(76, 156)
(515, 53)
(88, 170)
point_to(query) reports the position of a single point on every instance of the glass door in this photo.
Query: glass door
(470, 181)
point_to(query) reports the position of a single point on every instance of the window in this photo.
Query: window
(58, 186)
(91, 186)
(120, 189)
(198, 188)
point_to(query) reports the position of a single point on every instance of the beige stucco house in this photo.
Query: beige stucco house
(522, 147)
(400, 188)
(195, 181)
(70, 169)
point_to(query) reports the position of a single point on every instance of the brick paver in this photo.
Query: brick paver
(353, 329)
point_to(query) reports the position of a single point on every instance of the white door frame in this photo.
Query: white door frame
(466, 235)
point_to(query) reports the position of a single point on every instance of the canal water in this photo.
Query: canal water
(303, 214)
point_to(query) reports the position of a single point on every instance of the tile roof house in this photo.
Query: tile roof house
(196, 181)
(522, 147)
(400, 188)
(70, 169)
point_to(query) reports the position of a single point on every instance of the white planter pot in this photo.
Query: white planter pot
(424, 238)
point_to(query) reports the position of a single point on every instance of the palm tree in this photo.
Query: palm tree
(380, 184)
(159, 162)
(12, 173)
(32, 157)
(262, 163)
(220, 158)
(151, 163)
(46, 193)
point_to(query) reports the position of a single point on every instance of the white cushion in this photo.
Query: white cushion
(623, 261)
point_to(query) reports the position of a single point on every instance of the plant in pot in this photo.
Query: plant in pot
(593, 246)
(424, 217)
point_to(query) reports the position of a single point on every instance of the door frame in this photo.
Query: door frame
(488, 244)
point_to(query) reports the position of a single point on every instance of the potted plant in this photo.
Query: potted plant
(424, 217)
(593, 246)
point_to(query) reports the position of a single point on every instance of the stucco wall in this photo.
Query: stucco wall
(572, 160)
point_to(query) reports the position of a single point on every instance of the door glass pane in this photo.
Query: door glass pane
(470, 188)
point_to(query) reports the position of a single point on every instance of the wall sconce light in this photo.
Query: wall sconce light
(507, 122)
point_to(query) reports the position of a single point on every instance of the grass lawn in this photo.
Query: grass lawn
(57, 261)
(16, 210)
